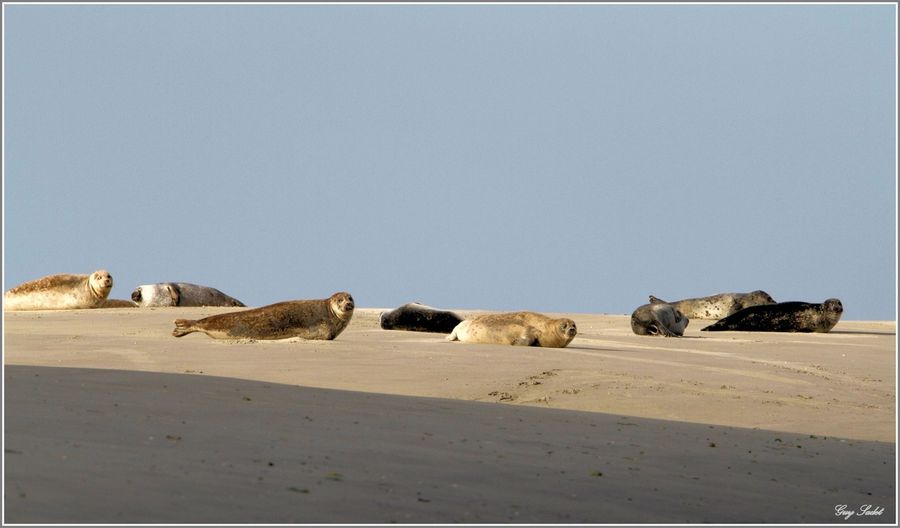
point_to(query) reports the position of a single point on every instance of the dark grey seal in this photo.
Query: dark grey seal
(719, 305)
(180, 294)
(783, 317)
(658, 319)
(416, 317)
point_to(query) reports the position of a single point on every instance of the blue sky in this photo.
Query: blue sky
(545, 157)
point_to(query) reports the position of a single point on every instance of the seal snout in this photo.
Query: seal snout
(104, 278)
(343, 302)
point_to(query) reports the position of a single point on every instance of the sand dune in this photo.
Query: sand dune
(110, 419)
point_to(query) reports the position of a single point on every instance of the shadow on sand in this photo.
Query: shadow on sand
(107, 446)
(864, 332)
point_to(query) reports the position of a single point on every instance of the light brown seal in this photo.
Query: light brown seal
(717, 306)
(783, 317)
(515, 328)
(661, 319)
(316, 319)
(60, 292)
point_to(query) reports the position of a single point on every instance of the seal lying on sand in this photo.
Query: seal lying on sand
(318, 319)
(417, 317)
(658, 319)
(717, 306)
(180, 294)
(783, 317)
(117, 303)
(60, 292)
(515, 328)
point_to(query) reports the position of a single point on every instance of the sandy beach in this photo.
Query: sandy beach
(110, 419)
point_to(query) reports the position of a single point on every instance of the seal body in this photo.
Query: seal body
(417, 317)
(60, 292)
(783, 317)
(660, 319)
(315, 319)
(515, 328)
(117, 303)
(717, 306)
(180, 294)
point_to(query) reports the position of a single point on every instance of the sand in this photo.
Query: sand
(110, 419)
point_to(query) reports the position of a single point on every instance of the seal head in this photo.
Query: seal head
(101, 284)
(342, 305)
(658, 319)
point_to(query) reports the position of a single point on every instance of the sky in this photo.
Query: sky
(555, 158)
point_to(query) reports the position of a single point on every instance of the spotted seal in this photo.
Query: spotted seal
(783, 317)
(719, 305)
(307, 319)
(60, 292)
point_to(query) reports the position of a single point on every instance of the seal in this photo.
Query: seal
(783, 317)
(315, 319)
(416, 317)
(658, 319)
(719, 305)
(515, 328)
(60, 292)
(180, 294)
(117, 303)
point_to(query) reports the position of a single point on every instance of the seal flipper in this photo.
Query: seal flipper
(183, 327)
(174, 294)
(461, 328)
(656, 300)
(528, 338)
(662, 330)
